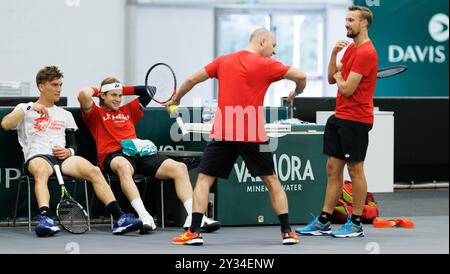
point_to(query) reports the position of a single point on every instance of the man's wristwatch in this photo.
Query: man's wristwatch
(298, 91)
(175, 101)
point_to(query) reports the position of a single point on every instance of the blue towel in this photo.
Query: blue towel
(132, 147)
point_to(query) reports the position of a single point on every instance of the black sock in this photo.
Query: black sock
(196, 222)
(284, 221)
(44, 210)
(356, 219)
(324, 217)
(114, 210)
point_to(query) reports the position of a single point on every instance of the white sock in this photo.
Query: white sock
(188, 206)
(138, 205)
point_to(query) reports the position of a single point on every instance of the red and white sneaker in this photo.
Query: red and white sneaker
(188, 238)
(290, 238)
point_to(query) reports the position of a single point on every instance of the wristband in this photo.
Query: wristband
(72, 152)
(128, 90)
(96, 91)
(27, 107)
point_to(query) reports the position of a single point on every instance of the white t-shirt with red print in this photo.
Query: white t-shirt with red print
(37, 134)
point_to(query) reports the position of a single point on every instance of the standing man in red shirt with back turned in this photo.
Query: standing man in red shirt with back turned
(346, 136)
(244, 77)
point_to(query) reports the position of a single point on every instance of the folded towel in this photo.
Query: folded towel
(132, 147)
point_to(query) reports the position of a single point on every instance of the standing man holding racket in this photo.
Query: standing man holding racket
(46, 134)
(346, 136)
(244, 77)
(110, 124)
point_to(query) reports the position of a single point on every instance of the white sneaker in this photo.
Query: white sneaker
(208, 225)
(148, 224)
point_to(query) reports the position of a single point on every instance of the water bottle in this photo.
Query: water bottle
(207, 113)
(213, 109)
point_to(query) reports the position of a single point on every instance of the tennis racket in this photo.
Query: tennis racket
(391, 71)
(161, 81)
(71, 215)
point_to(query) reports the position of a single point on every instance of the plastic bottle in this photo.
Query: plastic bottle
(207, 113)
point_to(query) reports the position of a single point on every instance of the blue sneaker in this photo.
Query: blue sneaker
(349, 230)
(126, 223)
(315, 228)
(46, 226)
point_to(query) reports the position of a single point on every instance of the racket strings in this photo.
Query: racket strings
(391, 71)
(72, 217)
(162, 79)
(151, 91)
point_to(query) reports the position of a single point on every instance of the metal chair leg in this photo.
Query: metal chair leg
(17, 202)
(162, 204)
(91, 203)
(144, 195)
(29, 204)
(109, 182)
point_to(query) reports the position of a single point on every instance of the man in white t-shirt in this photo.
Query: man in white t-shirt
(46, 134)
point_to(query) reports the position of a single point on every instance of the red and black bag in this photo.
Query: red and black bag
(344, 207)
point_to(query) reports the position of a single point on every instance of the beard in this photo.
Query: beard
(351, 34)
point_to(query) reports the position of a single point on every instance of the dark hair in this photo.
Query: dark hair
(365, 13)
(48, 74)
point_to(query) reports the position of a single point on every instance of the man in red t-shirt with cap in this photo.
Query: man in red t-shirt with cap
(244, 77)
(346, 136)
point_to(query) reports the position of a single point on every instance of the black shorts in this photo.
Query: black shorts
(51, 159)
(345, 139)
(146, 165)
(219, 158)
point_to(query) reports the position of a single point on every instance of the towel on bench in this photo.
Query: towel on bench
(131, 147)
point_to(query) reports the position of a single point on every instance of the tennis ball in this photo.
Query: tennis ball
(173, 108)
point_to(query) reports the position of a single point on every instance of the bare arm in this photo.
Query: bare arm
(348, 87)
(299, 77)
(188, 84)
(11, 120)
(85, 99)
(338, 69)
(332, 67)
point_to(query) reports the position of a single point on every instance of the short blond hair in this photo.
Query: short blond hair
(366, 13)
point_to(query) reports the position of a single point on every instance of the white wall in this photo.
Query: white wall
(92, 39)
(85, 38)
(335, 31)
(182, 33)
(180, 37)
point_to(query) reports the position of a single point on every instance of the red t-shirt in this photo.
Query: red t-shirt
(244, 78)
(108, 128)
(359, 106)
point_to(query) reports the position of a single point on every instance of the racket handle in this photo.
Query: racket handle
(180, 123)
(58, 174)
